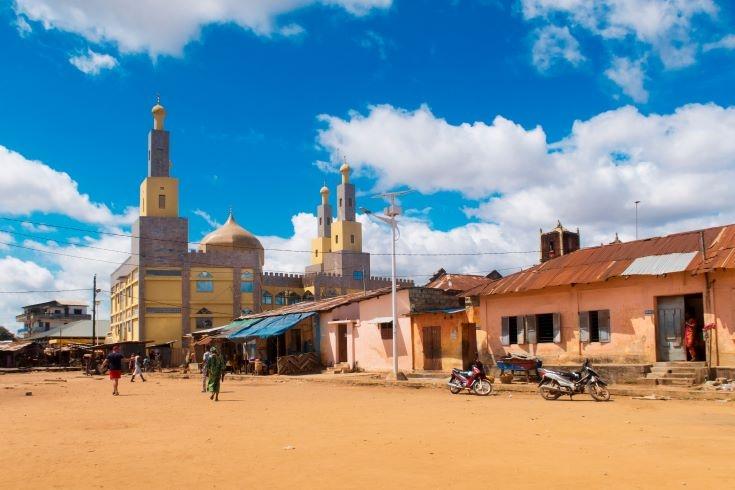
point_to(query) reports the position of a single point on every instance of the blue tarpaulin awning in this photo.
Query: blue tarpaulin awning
(271, 326)
(243, 325)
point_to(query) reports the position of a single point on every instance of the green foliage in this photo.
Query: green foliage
(6, 334)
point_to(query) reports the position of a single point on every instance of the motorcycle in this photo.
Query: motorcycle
(554, 384)
(475, 380)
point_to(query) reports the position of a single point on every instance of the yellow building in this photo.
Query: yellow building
(165, 291)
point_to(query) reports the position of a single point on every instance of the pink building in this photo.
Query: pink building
(619, 303)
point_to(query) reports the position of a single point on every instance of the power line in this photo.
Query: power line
(45, 291)
(286, 250)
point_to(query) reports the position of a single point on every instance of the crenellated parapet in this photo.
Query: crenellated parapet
(282, 280)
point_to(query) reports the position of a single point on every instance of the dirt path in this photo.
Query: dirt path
(165, 433)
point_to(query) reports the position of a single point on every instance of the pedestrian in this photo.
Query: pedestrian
(690, 336)
(138, 368)
(131, 364)
(205, 361)
(114, 362)
(187, 360)
(215, 371)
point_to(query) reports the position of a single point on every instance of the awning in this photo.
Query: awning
(242, 327)
(380, 319)
(273, 325)
(445, 311)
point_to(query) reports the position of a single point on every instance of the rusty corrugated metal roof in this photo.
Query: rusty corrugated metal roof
(598, 264)
(458, 282)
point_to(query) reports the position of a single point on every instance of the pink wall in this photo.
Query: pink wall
(328, 333)
(633, 333)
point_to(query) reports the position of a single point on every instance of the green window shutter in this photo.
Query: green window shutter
(603, 321)
(584, 326)
(530, 321)
(505, 331)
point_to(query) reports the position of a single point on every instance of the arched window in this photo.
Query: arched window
(246, 282)
(281, 298)
(267, 298)
(205, 284)
(204, 318)
(294, 298)
(308, 296)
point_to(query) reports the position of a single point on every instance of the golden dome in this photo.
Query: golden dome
(231, 235)
(324, 190)
(344, 168)
(158, 109)
(159, 114)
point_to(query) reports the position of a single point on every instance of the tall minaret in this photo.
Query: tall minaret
(159, 192)
(346, 232)
(320, 245)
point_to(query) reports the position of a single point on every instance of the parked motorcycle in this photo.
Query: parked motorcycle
(475, 380)
(554, 384)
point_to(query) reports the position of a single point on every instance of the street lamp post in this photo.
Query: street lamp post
(636, 219)
(391, 213)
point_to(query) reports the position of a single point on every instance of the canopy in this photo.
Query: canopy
(380, 319)
(272, 326)
(243, 326)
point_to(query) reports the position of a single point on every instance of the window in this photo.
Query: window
(594, 326)
(205, 284)
(316, 253)
(531, 329)
(77, 311)
(162, 201)
(386, 331)
(204, 322)
(281, 298)
(294, 298)
(246, 282)
(320, 221)
(267, 298)
(336, 238)
(308, 296)
(352, 239)
(246, 311)
(340, 202)
(357, 275)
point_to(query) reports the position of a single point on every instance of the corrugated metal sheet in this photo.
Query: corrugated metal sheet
(598, 264)
(14, 346)
(656, 265)
(273, 326)
(458, 282)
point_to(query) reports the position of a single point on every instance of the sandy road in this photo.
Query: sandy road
(166, 434)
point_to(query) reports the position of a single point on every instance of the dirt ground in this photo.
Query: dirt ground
(72, 433)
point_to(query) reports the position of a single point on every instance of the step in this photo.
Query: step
(672, 381)
(681, 364)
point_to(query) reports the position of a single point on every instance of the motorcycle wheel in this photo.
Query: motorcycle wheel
(455, 389)
(549, 390)
(482, 387)
(599, 392)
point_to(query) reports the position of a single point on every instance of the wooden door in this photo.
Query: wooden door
(341, 343)
(469, 344)
(432, 339)
(669, 324)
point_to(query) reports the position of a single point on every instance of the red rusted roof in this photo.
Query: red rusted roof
(459, 282)
(597, 264)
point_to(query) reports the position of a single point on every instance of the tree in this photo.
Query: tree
(6, 334)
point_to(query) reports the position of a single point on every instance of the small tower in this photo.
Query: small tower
(321, 245)
(346, 232)
(558, 242)
(159, 192)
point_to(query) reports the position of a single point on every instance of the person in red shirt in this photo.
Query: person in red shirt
(690, 336)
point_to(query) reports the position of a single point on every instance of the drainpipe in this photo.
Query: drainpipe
(707, 305)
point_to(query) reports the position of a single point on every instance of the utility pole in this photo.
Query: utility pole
(94, 311)
(391, 213)
(636, 219)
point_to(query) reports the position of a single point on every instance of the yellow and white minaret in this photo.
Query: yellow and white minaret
(346, 232)
(159, 192)
(321, 245)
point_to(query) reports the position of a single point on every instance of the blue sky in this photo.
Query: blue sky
(471, 102)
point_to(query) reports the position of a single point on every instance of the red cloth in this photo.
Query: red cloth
(690, 328)
(115, 374)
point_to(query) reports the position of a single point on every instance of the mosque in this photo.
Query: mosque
(165, 290)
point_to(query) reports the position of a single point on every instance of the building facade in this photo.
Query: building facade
(43, 317)
(165, 291)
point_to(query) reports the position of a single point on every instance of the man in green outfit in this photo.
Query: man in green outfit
(215, 369)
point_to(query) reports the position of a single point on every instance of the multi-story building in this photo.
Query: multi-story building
(42, 317)
(165, 291)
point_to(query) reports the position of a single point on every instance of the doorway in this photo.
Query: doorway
(341, 343)
(469, 344)
(432, 340)
(671, 314)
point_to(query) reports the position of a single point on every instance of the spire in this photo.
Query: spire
(159, 114)
(345, 171)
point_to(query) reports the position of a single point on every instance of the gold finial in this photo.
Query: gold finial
(345, 170)
(159, 114)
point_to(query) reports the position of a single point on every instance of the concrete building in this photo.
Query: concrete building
(165, 291)
(42, 317)
(79, 332)
(619, 303)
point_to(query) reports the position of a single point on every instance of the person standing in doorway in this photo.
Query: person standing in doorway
(138, 368)
(216, 371)
(205, 362)
(690, 336)
(114, 362)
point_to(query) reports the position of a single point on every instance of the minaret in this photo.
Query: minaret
(320, 245)
(159, 192)
(346, 232)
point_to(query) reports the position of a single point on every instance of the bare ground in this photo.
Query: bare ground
(71, 433)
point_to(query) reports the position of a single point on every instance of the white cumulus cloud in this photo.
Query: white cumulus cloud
(164, 27)
(554, 44)
(93, 63)
(630, 77)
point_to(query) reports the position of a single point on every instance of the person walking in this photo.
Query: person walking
(205, 361)
(215, 371)
(138, 368)
(187, 360)
(114, 362)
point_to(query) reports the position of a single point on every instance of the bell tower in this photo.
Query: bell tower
(558, 242)
(159, 192)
